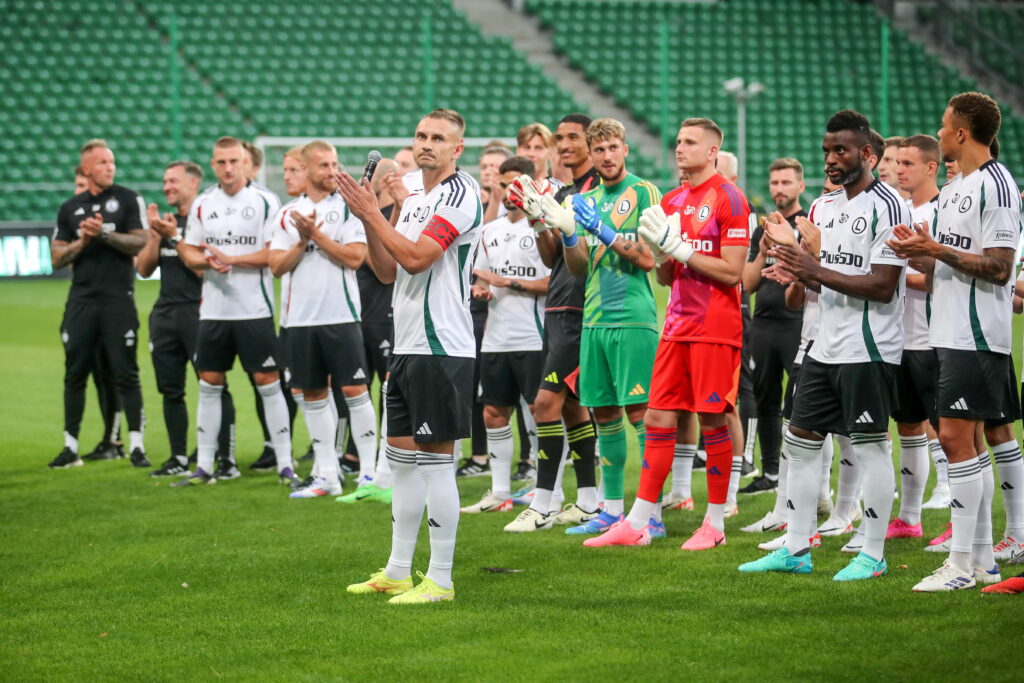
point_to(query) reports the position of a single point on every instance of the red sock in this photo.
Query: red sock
(718, 446)
(659, 450)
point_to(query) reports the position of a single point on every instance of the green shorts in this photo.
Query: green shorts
(616, 365)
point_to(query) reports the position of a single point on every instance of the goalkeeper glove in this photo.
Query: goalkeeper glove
(559, 218)
(524, 194)
(589, 220)
(664, 234)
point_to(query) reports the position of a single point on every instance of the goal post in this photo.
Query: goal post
(352, 153)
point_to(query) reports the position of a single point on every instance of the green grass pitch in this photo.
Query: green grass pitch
(107, 574)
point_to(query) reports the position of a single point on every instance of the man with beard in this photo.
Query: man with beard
(847, 382)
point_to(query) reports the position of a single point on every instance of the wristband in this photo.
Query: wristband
(569, 240)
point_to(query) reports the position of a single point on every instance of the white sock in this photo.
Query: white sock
(135, 441)
(499, 445)
(586, 498)
(913, 476)
(382, 475)
(442, 512)
(827, 452)
(642, 511)
(1011, 472)
(541, 501)
(614, 507)
(872, 452)
(734, 479)
(966, 490)
(364, 431)
(682, 469)
(406, 511)
(320, 421)
(850, 475)
(716, 513)
(208, 417)
(981, 549)
(558, 493)
(780, 509)
(801, 490)
(276, 411)
(71, 442)
(941, 465)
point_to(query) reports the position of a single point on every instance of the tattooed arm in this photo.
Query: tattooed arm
(637, 253)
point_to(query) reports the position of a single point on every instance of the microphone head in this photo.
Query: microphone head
(374, 155)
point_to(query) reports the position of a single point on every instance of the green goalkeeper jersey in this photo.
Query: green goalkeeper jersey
(618, 294)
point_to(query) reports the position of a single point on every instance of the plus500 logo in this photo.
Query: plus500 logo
(954, 240)
(241, 240)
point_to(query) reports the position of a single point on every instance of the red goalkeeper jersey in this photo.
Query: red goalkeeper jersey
(713, 215)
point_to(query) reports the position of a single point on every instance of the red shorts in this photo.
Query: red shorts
(695, 377)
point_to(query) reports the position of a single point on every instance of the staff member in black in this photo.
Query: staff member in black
(775, 328)
(98, 232)
(174, 321)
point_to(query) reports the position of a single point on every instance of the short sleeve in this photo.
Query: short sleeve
(134, 214)
(459, 213)
(881, 253)
(283, 234)
(273, 205)
(352, 230)
(733, 217)
(194, 233)
(755, 243)
(65, 231)
(1000, 213)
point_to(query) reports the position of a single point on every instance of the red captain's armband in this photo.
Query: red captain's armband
(441, 231)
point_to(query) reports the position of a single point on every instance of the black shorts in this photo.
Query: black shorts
(253, 341)
(319, 355)
(562, 331)
(844, 399)
(977, 385)
(507, 375)
(430, 398)
(173, 330)
(915, 388)
(378, 338)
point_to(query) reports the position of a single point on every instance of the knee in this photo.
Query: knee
(495, 417)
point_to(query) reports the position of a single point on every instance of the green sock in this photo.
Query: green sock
(611, 437)
(641, 436)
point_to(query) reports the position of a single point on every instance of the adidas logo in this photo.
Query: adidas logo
(959, 404)
(431, 522)
(314, 441)
(956, 504)
(80, 211)
(424, 430)
(282, 430)
(1006, 486)
(844, 461)
(637, 391)
(200, 430)
(645, 465)
(713, 470)
(906, 471)
(713, 398)
(553, 378)
(269, 362)
(359, 374)
(865, 418)
(212, 216)
(541, 455)
(870, 512)
(574, 455)
(789, 505)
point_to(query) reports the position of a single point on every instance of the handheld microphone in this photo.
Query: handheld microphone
(372, 159)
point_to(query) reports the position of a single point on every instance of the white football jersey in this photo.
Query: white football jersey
(514, 318)
(431, 308)
(319, 291)
(977, 212)
(282, 311)
(917, 303)
(236, 225)
(853, 236)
